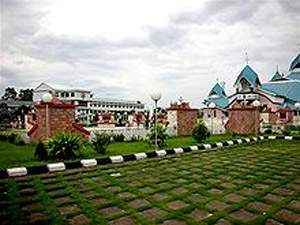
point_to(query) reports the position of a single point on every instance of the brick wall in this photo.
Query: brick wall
(61, 118)
(186, 119)
(243, 120)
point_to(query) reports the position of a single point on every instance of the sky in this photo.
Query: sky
(129, 49)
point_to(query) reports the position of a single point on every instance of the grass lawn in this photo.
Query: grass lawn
(254, 183)
(15, 156)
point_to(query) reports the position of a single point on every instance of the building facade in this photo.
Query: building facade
(276, 101)
(87, 106)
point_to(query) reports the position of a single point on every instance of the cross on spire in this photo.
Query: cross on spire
(247, 58)
(277, 68)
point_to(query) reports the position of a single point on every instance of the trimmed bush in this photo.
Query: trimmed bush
(200, 132)
(100, 142)
(161, 136)
(118, 137)
(65, 146)
(40, 151)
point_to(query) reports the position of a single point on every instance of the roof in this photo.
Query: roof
(218, 90)
(294, 75)
(250, 75)
(221, 102)
(295, 63)
(276, 76)
(290, 89)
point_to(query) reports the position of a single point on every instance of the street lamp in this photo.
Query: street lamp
(256, 103)
(47, 98)
(155, 97)
(211, 106)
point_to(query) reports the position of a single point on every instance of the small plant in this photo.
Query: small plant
(40, 151)
(161, 136)
(118, 137)
(200, 132)
(11, 138)
(100, 142)
(65, 146)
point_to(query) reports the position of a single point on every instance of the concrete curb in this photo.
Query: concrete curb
(84, 163)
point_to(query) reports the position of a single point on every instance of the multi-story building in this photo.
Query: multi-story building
(87, 106)
(256, 106)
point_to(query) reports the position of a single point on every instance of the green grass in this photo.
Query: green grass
(14, 156)
(274, 164)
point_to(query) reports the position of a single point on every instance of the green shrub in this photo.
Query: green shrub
(161, 136)
(65, 146)
(100, 142)
(268, 131)
(200, 132)
(3, 137)
(40, 151)
(118, 137)
(11, 137)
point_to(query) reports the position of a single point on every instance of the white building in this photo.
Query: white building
(86, 104)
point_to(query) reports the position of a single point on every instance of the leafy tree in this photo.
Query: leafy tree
(10, 94)
(100, 142)
(26, 95)
(65, 146)
(200, 131)
(161, 136)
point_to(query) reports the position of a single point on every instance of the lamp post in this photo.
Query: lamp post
(297, 106)
(155, 97)
(256, 103)
(47, 98)
(211, 106)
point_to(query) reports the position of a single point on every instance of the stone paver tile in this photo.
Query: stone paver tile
(153, 213)
(97, 201)
(248, 191)
(123, 221)
(79, 219)
(174, 222)
(146, 190)
(137, 203)
(32, 206)
(228, 185)
(89, 193)
(213, 181)
(223, 222)
(289, 216)
(33, 217)
(225, 177)
(175, 205)
(199, 214)
(239, 181)
(62, 199)
(243, 215)
(179, 191)
(217, 205)
(160, 196)
(68, 209)
(260, 186)
(164, 185)
(273, 198)
(195, 185)
(135, 184)
(215, 191)
(110, 211)
(181, 181)
(283, 191)
(234, 198)
(125, 195)
(114, 189)
(196, 197)
(295, 204)
(272, 222)
(259, 206)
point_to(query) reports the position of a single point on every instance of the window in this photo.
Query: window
(67, 94)
(215, 113)
(282, 115)
(72, 94)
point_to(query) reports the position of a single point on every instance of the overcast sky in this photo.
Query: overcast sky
(127, 48)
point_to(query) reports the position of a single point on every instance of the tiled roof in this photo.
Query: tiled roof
(294, 75)
(221, 102)
(295, 63)
(250, 75)
(218, 90)
(276, 76)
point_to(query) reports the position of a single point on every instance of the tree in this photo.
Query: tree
(200, 131)
(10, 94)
(161, 136)
(26, 95)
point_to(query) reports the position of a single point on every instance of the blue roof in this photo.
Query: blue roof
(218, 90)
(221, 102)
(250, 75)
(294, 75)
(295, 63)
(276, 76)
(290, 89)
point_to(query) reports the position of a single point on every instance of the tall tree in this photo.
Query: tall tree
(26, 95)
(10, 94)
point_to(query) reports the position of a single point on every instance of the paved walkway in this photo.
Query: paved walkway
(251, 184)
